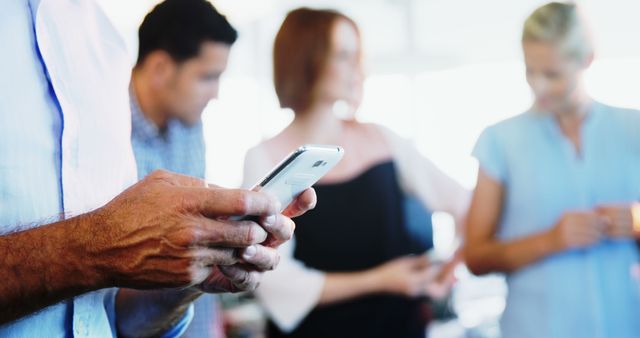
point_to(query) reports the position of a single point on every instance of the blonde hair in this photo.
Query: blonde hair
(562, 25)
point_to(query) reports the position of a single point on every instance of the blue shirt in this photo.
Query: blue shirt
(578, 293)
(179, 148)
(64, 138)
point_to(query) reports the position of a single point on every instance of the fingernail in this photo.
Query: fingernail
(249, 252)
(270, 221)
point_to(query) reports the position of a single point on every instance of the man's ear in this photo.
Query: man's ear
(160, 66)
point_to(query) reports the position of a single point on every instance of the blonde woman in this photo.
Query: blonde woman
(555, 194)
(349, 273)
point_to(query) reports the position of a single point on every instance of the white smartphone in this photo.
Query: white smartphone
(299, 171)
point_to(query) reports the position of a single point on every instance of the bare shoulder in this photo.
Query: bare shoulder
(372, 136)
(273, 149)
(369, 141)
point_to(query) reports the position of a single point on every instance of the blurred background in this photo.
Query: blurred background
(439, 71)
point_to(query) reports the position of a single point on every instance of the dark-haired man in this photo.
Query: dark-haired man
(183, 50)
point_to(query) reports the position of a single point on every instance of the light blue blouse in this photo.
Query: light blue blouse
(579, 293)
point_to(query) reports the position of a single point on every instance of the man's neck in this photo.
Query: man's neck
(146, 100)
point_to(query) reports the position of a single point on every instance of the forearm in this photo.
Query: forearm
(340, 287)
(43, 266)
(497, 256)
(151, 313)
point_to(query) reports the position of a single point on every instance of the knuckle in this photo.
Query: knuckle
(185, 203)
(288, 229)
(248, 281)
(185, 238)
(225, 256)
(159, 174)
(242, 279)
(242, 202)
(255, 234)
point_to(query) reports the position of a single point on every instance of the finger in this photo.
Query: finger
(590, 237)
(624, 217)
(207, 257)
(427, 275)
(280, 229)
(227, 233)
(241, 278)
(199, 274)
(439, 290)
(595, 230)
(306, 201)
(447, 269)
(216, 202)
(260, 257)
(604, 221)
(620, 231)
(617, 232)
(216, 282)
(420, 262)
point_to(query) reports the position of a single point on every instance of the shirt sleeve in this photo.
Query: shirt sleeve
(181, 326)
(421, 178)
(292, 290)
(110, 307)
(175, 331)
(490, 155)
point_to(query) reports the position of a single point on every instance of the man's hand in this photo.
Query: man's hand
(238, 252)
(256, 259)
(171, 230)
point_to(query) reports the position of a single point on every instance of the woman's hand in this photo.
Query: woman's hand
(620, 220)
(578, 229)
(414, 276)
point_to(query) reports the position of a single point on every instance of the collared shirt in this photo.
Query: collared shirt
(179, 148)
(589, 292)
(64, 137)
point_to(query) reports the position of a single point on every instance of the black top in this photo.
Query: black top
(357, 225)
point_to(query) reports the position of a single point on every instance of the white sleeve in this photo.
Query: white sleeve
(292, 290)
(423, 179)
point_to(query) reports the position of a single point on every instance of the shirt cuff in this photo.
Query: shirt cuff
(181, 326)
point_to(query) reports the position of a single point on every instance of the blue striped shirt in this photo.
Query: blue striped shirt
(179, 148)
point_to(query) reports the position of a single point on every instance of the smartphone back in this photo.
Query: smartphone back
(299, 171)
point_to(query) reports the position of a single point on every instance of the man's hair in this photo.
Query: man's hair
(180, 27)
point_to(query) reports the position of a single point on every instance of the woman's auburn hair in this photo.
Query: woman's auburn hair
(300, 54)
